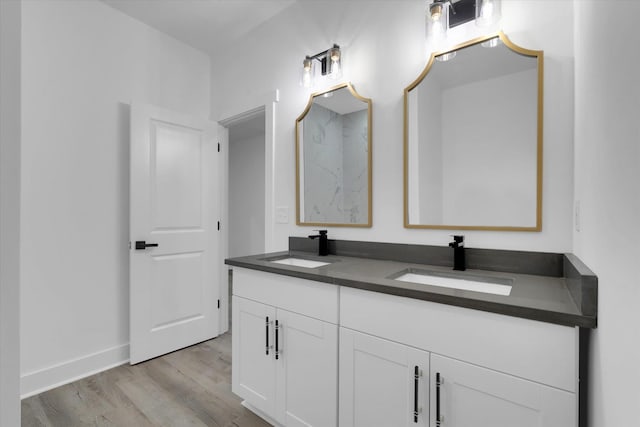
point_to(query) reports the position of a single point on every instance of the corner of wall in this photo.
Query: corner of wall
(36, 382)
(10, 139)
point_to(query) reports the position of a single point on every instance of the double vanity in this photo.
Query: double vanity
(390, 335)
(382, 334)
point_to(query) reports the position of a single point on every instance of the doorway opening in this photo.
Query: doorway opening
(247, 137)
(246, 190)
(246, 186)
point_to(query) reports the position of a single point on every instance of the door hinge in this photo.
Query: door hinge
(218, 147)
(218, 225)
(218, 304)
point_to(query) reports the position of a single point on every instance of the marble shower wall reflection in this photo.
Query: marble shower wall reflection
(335, 166)
(356, 138)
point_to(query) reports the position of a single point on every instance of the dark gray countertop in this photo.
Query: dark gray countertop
(547, 298)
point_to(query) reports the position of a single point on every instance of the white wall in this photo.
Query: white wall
(429, 153)
(381, 64)
(489, 161)
(607, 178)
(246, 193)
(10, 12)
(83, 63)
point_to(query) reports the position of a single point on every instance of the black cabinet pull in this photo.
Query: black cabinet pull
(439, 382)
(266, 326)
(416, 377)
(142, 245)
(277, 349)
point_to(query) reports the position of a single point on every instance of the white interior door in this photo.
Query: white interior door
(174, 188)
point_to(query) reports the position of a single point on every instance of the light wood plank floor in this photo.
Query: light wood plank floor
(190, 387)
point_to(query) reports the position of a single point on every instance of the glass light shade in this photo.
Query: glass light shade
(438, 23)
(446, 56)
(334, 57)
(308, 73)
(488, 12)
(436, 11)
(491, 42)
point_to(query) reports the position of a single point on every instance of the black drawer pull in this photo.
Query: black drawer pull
(277, 349)
(142, 245)
(266, 326)
(416, 377)
(439, 382)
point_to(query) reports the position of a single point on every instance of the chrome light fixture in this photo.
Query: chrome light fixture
(330, 65)
(445, 14)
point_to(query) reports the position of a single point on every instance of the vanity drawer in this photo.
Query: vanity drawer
(542, 352)
(314, 299)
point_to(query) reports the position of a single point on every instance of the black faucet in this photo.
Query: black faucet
(459, 262)
(323, 244)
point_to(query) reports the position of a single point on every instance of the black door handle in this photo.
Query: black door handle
(266, 324)
(439, 382)
(416, 378)
(277, 349)
(141, 245)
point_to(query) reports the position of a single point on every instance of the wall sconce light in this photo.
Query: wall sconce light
(487, 12)
(445, 14)
(438, 19)
(330, 65)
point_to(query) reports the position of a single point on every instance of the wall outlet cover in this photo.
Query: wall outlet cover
(282, 215)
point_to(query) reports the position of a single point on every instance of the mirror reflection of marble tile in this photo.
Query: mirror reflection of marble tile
(335, 166)
(333, 139)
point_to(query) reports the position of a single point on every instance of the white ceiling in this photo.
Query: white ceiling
(207, 25)
(477, 63)
(341, 101)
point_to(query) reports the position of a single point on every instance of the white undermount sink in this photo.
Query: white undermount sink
(300, 262)
(467, 284)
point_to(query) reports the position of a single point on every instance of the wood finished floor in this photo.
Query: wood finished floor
(190, 387)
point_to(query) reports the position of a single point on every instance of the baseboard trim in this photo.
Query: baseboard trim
(36, 382)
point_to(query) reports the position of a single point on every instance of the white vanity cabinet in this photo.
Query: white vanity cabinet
(253, 365)
(357, 358)
(382, 383)
(466, 395)
(493, 370)
(285, 348)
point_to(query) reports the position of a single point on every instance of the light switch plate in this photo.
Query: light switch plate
(282, 215)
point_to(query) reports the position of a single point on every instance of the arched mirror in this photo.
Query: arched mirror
(333, 159)
(473, 139)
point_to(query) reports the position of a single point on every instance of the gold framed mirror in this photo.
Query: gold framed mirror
(333, 159)
(473, 124)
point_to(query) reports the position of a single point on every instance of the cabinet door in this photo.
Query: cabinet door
(378, 382)
(253, 367)
(471, 396)
(307, 371)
